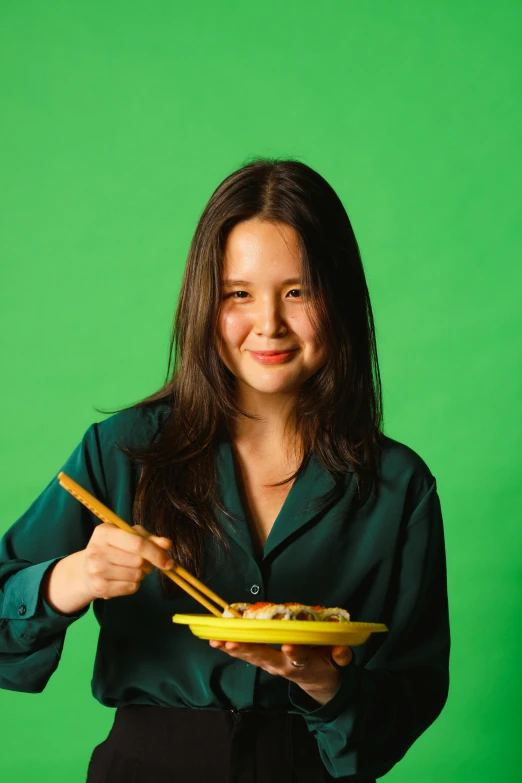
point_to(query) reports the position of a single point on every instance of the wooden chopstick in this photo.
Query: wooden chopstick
(177, 573)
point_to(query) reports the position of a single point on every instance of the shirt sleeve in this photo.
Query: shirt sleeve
(383, 706)
(56, 525)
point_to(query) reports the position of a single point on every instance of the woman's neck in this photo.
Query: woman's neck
(273, 433)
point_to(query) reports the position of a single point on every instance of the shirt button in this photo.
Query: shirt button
(22, 609)
(254, 589)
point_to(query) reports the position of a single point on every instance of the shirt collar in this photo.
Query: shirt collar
(300, 507)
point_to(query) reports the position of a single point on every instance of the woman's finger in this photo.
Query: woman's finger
(136, 545)
(161, 541)
(260, 655)
(116, 589)
(298, 655)
(341, 655)
(120, 557)
(117, 573)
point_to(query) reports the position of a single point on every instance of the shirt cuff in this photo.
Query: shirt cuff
(306, 706)
(22, 599)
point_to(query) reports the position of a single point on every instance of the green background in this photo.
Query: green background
(119, 120)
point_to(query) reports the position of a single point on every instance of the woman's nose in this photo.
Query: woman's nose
(270, 319)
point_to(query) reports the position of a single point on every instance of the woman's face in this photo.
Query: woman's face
(262, 310)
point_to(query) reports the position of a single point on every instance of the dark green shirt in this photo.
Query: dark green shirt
(383, 562)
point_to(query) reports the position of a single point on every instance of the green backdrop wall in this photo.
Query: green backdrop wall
(119, 120)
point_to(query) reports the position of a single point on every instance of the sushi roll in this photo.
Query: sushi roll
(240, 608)
(301, 612)
(267, 610)
(334, 615)
(264, 610)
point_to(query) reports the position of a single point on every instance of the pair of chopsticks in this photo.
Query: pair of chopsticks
(177, 573)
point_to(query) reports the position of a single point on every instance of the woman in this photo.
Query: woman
(261, 467)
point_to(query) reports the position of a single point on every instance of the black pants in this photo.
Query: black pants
(170, 745)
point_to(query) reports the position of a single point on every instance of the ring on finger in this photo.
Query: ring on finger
(297, 665)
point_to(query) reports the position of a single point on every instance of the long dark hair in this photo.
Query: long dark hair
(338, 412)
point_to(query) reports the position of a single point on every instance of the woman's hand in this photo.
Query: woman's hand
(113, 563)
(315, 674)
(116, 561)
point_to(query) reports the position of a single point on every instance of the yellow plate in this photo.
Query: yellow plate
(207, 626)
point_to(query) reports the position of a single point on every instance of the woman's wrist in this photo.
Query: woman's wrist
(322, 695)
(64, 588)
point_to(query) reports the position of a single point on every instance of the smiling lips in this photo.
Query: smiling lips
(271, 357)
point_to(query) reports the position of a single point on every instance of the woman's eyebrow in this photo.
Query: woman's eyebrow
(288, 281)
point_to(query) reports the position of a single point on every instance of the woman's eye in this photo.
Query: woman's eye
(236, 294)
